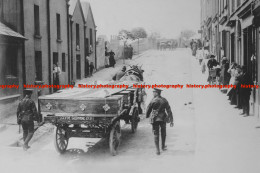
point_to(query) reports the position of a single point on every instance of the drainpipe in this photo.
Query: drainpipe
(71, 47)
(49, 44)
(95, 48)
(68, 35)
(23, 49)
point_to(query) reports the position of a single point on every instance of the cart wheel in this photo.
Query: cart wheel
(61, 141)
(134, 120)
(114, 138)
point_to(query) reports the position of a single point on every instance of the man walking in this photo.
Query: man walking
(26, 114)
(158, 108)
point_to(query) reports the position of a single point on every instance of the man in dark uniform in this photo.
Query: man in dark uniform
(158, 108)
(26, 114)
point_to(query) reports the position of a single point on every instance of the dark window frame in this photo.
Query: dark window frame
(63, 61)
(58, 26)
(77, 35)
(37, 31)
(38, 66)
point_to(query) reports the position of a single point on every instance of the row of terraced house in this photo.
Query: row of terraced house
(234, 25)
(35, 35)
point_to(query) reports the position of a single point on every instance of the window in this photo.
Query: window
(63, 65)
(11, 65)
(36, 20)
(233, 6)
(91, 37)
(38, 66)
(238, 3)
(77, 34)
(58, 26)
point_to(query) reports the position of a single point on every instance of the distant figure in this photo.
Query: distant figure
(26, 114)
(119, 74)
(87, 66)
(112, 60)
(56, 75)
(206, 45)
(91, 68)
(107, 59)
(131, 49)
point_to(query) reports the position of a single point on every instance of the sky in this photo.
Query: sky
(168, 17)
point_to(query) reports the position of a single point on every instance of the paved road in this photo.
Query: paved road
(201, 141)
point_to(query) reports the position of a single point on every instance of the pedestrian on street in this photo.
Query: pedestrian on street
(211, 63)
(160, 113)
(56, 75)
(244, 93)
(26, 115)
(131, 51)
(224, 75)
(231, 91)
(87, 60)
(119, 74)
(238, 77)
(91, 68)
(112, 60)
(107, 58)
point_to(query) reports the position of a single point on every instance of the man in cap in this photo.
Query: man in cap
(26, 114)
(161, 114)
(119, 74)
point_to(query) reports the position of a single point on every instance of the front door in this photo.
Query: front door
(78, 69)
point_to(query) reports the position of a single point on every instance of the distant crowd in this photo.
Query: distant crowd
(224, 73)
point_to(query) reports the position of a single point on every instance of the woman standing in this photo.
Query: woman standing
(112, 61)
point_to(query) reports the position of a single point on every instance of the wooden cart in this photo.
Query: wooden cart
(87, 113)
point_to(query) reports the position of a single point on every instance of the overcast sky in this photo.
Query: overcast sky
(168, 17)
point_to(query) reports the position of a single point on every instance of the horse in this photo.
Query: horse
(135, 73)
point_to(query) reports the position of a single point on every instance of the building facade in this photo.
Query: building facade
(237, 32)
(47, 42)
(11, 55)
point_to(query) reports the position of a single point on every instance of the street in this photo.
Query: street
(205, 138)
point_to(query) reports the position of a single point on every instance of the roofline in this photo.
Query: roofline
(78, 1)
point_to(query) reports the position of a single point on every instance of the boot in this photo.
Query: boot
(27, 140)
(156, 141)
(164, 147)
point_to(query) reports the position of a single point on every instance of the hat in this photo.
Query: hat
(157, 90)
(224, 58)
(212, 56)
(28, 91)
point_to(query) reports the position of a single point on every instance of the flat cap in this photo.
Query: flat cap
(28, 91)
(157, 90)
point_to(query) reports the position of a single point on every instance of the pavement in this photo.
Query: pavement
(209, 136)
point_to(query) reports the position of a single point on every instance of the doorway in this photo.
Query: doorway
(78, 69)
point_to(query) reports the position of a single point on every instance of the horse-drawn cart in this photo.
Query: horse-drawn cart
(91, 113)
